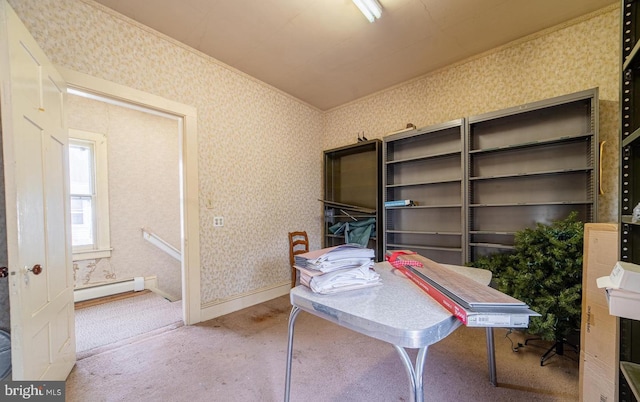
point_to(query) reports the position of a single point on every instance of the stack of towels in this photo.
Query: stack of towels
(337, 269)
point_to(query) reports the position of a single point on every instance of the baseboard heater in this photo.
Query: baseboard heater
(135, 284)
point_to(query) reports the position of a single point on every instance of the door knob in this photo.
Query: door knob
(36, 270)
(4, 272)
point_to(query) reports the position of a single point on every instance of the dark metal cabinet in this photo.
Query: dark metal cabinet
(352, 191)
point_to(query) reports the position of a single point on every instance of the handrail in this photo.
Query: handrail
(162, 244)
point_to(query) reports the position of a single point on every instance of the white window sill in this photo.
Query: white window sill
(91, 254)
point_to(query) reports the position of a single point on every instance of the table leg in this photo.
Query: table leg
(415, 372)
(287, 384)
(491, 357)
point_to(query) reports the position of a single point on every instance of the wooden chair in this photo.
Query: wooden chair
(298, 244)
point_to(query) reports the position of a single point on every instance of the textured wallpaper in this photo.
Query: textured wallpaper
(578, 56)
(260, 150)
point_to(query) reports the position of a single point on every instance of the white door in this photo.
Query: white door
(35, 153)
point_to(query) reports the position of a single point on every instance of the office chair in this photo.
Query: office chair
(298, 244)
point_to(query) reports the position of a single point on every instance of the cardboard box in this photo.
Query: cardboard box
(599, 330)
(600, 255)
(595, 382)
(599, 335)
(624, 304)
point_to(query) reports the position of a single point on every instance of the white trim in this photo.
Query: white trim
(82, 255)
(218, 309)
(128, 105)
(190, 214)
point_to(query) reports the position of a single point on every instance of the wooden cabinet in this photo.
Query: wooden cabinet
(352, 193)
(629, 330)
(426, 166)
(529, 164)
(598, 330)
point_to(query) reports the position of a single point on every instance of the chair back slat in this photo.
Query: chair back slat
(298, 244)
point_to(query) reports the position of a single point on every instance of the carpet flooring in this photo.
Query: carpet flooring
(99, 324)
(241, 357)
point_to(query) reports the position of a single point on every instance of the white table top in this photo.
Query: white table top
(397, 312)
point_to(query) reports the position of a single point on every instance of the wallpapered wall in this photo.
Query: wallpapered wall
(260, 150)
(144, 191)
(579, 56)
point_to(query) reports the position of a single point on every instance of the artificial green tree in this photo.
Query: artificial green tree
(544, 271)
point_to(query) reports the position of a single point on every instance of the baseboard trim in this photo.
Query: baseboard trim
(109, 289)
(218, 309)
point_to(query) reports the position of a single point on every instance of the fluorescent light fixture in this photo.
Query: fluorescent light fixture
(370, 8)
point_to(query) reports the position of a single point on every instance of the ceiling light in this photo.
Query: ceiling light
(370, 8)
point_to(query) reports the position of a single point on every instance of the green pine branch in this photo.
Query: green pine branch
(544, 271)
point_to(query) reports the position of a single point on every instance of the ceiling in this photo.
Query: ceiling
(325, 53)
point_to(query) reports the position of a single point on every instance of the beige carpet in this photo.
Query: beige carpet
(241, 357)
(111, 323)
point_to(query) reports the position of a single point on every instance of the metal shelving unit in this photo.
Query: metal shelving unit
(629, 330)
(530, 164)
(426, 166)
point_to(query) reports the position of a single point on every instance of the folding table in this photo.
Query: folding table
(397, 312)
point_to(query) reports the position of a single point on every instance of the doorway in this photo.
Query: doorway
(41, 306)
(134, 216)
(185, 118)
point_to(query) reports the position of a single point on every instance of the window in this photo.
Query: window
(89, 192)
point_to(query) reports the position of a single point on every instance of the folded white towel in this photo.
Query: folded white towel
(344, 279)
(329, 266)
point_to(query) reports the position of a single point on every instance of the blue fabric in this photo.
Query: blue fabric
(357, 232)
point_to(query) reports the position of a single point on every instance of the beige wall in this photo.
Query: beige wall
(260, 150)
(144, 191)
(579, 56)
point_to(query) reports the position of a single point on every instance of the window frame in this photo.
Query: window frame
(102, 237)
